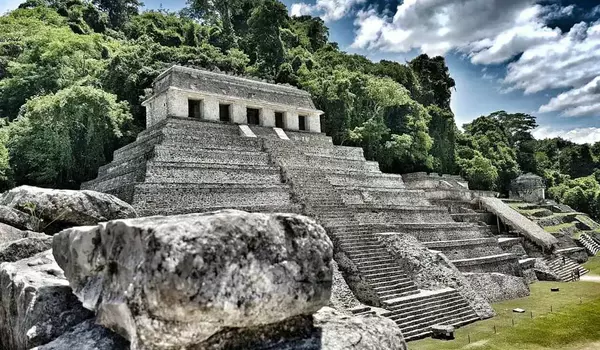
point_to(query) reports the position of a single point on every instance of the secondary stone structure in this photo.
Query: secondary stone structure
(528, 187)
(191, 159)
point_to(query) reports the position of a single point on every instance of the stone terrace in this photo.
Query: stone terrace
(181, 165)
(184, 166)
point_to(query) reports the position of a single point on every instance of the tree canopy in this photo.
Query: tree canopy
(73, 74)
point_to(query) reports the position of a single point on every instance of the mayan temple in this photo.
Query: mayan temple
(215, 141)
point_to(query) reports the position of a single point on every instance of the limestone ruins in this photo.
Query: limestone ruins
(221, 267)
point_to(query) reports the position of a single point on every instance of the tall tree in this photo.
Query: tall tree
(119, 11)
(435, 80)
(265, 35)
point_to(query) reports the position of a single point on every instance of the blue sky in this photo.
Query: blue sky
(539, 57)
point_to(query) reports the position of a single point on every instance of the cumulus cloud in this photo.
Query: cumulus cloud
(489, 31)
(577, 102)
(494, 32)
(329, 10)
(578, 135)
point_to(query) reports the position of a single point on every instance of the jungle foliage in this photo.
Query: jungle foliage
(73, 74)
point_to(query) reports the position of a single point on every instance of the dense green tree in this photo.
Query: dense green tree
(61, 139)
(576, 161)
(119, 11)
(434, 79)
(264, 29)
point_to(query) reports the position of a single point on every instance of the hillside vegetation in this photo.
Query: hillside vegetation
(73, 74)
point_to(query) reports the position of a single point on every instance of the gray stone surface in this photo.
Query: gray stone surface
(431, 270)
(543, 272)
(36, 303)
(328, 329)
(498, 286)
(60, 208)
(24, 248)
(356, 282)
(87, 336)
(169, 282)
(9, 234)
(340, 332)
(202, 80)
(342, 297)
(18, 219)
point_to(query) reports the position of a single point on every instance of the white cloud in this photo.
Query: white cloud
(493, 32)
(9, 5)
(577, 102)
(578, 135)
(300, 9)
(489, 31)
(329, 10)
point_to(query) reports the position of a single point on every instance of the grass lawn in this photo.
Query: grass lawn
(570, 325)
(593, 264)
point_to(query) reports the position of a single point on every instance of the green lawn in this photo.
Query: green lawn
(559, 322)
(593, 264)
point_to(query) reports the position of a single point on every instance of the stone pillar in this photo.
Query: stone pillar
(177, 103)
(267, 117)
(291, 120)
(238, 113)
(210, 108)
(314, 122)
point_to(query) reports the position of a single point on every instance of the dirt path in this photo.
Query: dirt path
(590, 278)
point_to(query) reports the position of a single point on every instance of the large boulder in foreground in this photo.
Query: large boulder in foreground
(87, 336)
(170, 282)
(65, 208)
(36, 303)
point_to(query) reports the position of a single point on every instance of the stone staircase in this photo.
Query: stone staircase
(416, 313)
(321, 182)
(182, 166)
(589, 244)
(564, 267)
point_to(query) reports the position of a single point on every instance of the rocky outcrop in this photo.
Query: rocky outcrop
(25, 247)
(18, 219)
(171, 282)
(498, 286)
(58, 209)
(36, 303)
(432, 270)
(87, 336)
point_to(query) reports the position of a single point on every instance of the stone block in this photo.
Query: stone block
(170, 282)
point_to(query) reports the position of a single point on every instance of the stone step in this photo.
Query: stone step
(425, 332)
(442, 293)
(437, 318)
(410, 317)
(191, 154)
(396, 285)
(405, 292)
(427, 303)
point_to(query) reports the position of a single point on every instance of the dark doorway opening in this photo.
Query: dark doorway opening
(301, 122)
(252, 115)
(279, 120)
(224, 113)
(195, 109)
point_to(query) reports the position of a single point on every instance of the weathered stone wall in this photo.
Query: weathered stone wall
(431, 270)
(496, 287)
